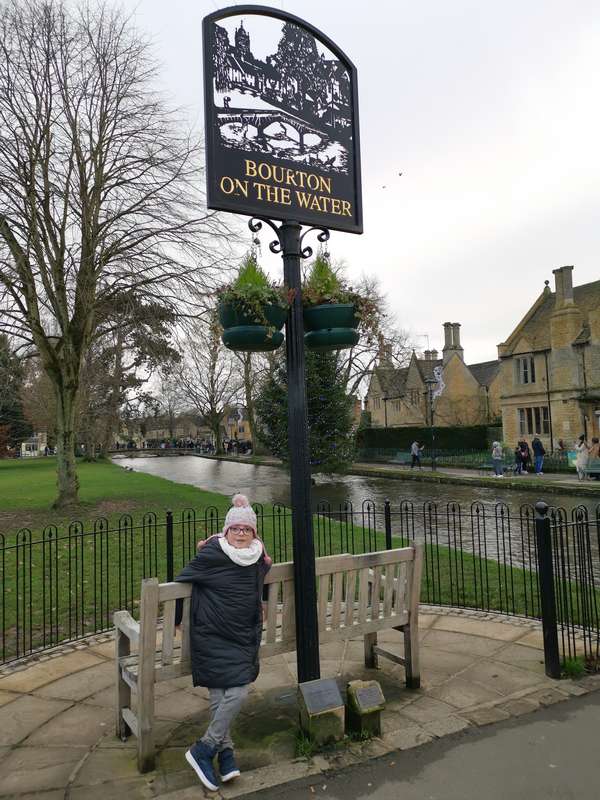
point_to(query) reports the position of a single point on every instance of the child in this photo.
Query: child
(227, 574)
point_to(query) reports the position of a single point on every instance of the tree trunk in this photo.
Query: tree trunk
(112, 412)
(257, 447)
(67, 480)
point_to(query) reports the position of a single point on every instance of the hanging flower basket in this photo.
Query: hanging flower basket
(330, 326)
(252, 310)
(333, 311)
(242, 333)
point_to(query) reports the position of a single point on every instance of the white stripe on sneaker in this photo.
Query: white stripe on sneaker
(235, 773)
(196, 767)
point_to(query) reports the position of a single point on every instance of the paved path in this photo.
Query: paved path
(56, 715)
(553, 754)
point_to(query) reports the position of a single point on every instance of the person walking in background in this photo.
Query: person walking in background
(518, 459)
(538, 453)
(415, 451)
(525, 456)
(582, 457)
(497, 459)
(226, 618)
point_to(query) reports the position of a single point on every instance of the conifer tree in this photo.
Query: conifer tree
(330, 424)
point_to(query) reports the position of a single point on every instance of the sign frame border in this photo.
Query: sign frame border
(209, 133)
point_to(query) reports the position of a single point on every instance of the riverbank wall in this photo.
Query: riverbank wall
(546, 485)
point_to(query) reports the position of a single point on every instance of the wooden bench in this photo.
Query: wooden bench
(592, 467)
(357, 596)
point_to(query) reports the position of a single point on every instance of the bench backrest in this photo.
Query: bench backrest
(356, 594)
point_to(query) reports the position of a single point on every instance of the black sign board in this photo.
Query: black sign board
(281, 117)
(321, 695)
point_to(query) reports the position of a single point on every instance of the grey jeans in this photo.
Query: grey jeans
(225, 705)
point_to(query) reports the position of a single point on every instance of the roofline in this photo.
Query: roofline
(537, 304)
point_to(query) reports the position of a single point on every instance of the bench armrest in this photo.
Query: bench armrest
(127, 625)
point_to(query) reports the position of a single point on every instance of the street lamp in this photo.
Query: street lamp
(431, 383)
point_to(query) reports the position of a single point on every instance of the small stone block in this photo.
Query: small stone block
(321, 710)
(364, 706)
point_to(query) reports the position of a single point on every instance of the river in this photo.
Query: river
(265, 484)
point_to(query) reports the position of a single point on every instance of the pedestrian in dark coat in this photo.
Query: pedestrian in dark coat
(227, 578)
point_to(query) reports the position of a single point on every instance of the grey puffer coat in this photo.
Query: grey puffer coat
(225, 617)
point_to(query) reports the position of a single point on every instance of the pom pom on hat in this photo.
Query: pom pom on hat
(241, 513)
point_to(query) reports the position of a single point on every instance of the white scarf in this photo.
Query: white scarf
(244, 556)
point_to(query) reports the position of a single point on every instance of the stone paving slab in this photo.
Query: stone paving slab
(58, 714)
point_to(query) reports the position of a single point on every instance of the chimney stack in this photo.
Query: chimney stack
(427, 355)
(452, 343)
(563, 277)
(434, 355)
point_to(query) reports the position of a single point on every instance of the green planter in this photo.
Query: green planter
(242, 333)
(330, 327)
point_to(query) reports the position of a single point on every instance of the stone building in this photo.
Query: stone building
(468, 394)
(550, 366)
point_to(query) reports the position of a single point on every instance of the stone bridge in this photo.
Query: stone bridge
(262, 119)
(155, 451)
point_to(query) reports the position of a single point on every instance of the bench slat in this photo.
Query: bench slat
(288, 616)
(388, 592)
(323, 599)
(272, 612)
(350, 594)
(168, 634)
(336, 600)
(400, 596)
(185, 629)
(375, 592)
(363, 594)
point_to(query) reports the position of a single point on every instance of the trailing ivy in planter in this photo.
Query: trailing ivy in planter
(333, 312)
(252, 310)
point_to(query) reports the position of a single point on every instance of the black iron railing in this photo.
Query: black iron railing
(61, 585)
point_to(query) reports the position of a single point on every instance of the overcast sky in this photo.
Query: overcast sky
(491, 110)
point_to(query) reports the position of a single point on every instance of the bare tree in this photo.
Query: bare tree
(357, 363)
(211, 378)
(99, 192)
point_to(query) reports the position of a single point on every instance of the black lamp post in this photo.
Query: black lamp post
(289, 244)
(431, 382)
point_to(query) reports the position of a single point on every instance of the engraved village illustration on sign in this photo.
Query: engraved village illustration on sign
(282, 124)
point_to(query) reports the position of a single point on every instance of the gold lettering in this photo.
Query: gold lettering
(286, 199)
(227, 185)
(346, 209)
(303, 199)
(335, 206)
(314, 203)
(289, 177)
(264, 171)
(251, 168)
(312, 181)
(325, 185)
(259, 187)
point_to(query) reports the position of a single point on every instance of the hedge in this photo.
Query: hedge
(467, 437)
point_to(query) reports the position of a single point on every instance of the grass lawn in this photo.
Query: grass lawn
(28, 489)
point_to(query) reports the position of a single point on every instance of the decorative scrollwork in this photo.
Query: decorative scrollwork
(322, 236)
(255, 225)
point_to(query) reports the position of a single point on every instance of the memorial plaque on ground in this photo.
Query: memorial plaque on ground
(321, 695)
(281, 120)
(370, 697)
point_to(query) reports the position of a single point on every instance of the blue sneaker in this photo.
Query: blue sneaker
(200, 758)
(227, 766)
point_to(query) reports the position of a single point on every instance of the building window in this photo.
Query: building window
(376, 402)
(526, 369)
(534, 420)
(413, 397)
